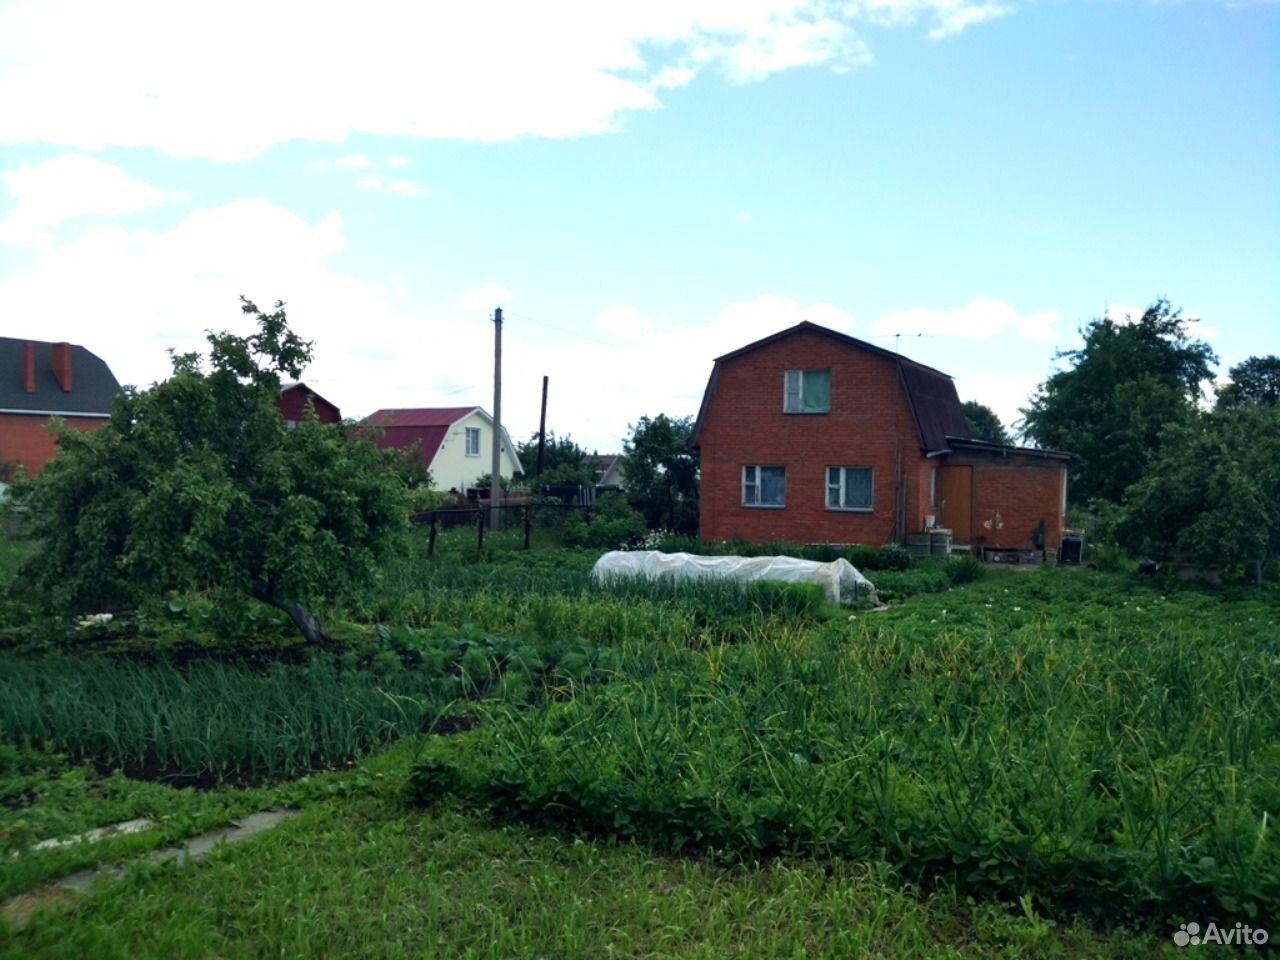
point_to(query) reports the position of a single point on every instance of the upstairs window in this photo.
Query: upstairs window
(807, 391)
(849, 488)
(473, 441)
(764, 486)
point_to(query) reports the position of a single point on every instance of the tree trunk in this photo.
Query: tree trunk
(302, 618)
(308, 625)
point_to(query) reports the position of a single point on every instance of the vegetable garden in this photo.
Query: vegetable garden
(1103, 750)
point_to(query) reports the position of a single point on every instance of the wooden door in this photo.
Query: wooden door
(955, 501)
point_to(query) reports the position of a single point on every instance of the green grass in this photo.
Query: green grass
(355, 876)
(1121, 761)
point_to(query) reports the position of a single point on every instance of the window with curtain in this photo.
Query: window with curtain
(764, 486)
(473, 441)
(849, 488)
(807, 391)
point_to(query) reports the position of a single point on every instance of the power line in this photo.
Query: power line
(559, 329)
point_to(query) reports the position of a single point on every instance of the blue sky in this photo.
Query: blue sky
(641, 189)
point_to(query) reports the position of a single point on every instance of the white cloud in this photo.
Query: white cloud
(484, 298)
(147, 73)
(742, 216)
(1006, 394)
(960, 16)
(624, 320)
(982, 317)
(353, 161)
(396, 160)
(68, 188)
(383, 184)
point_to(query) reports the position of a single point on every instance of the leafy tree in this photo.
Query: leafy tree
(1211, 495)
(1256, 380)
(196, 484)
(984, 424)
(1125, 385)
(662, 473)
(563, 462)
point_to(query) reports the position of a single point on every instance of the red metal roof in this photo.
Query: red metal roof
(418, 417)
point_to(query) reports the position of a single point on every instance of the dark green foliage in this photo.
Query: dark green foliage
(1125, 384)
(662, 473)
(195, 484)
(563, 462)
(984, 424)
(1116, 763)
(1256, 381)
(614, 525)
(1211, 496)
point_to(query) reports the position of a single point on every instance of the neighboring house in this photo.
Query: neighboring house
(813, 436)
(456, 442)
(609, 468)
(293, 401)
(39, 380)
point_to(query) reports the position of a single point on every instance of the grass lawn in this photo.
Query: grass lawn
(358, 875)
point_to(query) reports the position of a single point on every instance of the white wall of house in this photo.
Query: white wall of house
(455, 468)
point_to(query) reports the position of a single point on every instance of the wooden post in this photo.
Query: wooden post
(542, 427)
(480, 529)
(528, 523)
(431, 537)
(495, 472)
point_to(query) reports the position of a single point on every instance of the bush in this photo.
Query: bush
(614, 525)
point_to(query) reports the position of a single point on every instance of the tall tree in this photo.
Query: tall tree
(1256, 380)
(1123, 387)
(984, 424)
(563, 462)
(662, 473)
(1211, 495)
(196, 484)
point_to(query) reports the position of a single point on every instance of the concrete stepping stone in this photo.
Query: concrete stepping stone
(123, 828)
(17, 910)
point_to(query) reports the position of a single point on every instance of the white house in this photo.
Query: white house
(456, 442)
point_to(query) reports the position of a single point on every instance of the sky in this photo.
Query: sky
(641, 187)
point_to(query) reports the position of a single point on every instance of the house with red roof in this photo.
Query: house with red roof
(296, 397)
(456, 442)
(812, 436)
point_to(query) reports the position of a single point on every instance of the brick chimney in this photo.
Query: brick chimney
(29, 367)
(62, 365)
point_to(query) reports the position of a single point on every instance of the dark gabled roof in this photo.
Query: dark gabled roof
(931, 394)
(93, 386)
(967, 445)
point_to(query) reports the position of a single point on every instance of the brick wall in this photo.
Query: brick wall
(1023, 491)
(26, 439)
(869, 425)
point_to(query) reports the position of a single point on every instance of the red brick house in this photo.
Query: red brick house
(293, 401)
(40, 380)
(812, 436)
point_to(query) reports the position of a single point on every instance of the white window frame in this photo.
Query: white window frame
(786, 393)
(472, 432)
(828, 486)
(752, 471)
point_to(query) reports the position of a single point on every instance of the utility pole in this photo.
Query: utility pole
(542, 427)
(495, 473)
